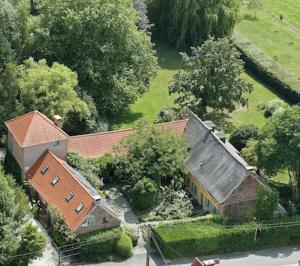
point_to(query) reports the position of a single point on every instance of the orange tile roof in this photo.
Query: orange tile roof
(56, 195)
(97, 144)
(34, 128)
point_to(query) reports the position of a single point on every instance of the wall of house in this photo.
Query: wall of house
(103, 220)
(204, 198)
(15, 150)
(33, 153)
(238, 204)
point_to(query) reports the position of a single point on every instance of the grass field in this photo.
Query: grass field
(278, 39)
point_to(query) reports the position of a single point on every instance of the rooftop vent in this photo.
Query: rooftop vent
(57, 120)
(221, 136)
(211, 125)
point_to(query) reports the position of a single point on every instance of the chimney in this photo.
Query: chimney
(221, 136)
(57, 120)
(211, 125)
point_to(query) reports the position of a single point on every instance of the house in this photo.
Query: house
(219, 178)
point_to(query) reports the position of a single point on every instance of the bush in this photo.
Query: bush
(11, 166)
(123, 247)
(144, 193)
(274, 106)
(268, 70)
(99, 243)
(241, 135)
(204, 237)
(133, 235)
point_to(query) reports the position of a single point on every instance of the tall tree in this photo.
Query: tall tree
(279, 146)
(211, 81)
(99, 40)
(186, 23)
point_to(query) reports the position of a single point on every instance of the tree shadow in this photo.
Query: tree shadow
(250, 17)
(127, 117)
(168, 57)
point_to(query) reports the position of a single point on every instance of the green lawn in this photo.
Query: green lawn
(279, 40)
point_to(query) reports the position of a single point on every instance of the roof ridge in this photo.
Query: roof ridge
(12, 119)
(30, 124)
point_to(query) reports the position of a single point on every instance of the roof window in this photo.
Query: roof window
(70, 196)
(79, 208)
(44, 169)
(54, 180)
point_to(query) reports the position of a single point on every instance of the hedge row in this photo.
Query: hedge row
(204, 237)
(268, 70)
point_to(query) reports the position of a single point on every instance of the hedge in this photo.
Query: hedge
(123, 247)
(98, 243)
(268, 70)
(210, 236)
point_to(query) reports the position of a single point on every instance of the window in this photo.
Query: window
(54, 180)
(70, 196)
(194, 190)
(90, 220)
(56, 143)
(44, 169)
(79, 208)
(104, 220)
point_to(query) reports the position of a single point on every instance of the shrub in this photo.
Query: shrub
(241, 135)
(274, 106)
(133, 235)
(11, 166)
(144, 193)
(268, 70)
(123, 247)
(99, 243)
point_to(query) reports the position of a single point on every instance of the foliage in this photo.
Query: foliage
(99, 243)
(87, 167)
(123, 247)
(274, 106)
(203, 237)
(100, 41)
(143, 22)
(144, 193)
(32, 242)
(134, 236)
(268, 70)
(171, 114)
(11, 166)
(106, 166)
(254, 5)
(265, 204)
(249, 152)
(172, 204)
(153, 152)
(211, 79)
(279, 145)
(241, 135)
(188, 23)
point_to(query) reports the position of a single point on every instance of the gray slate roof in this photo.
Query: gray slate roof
(217, 165)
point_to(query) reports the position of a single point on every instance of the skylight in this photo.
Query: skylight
(54, 180)
(79, 208)
(70, 196)
(44, 169)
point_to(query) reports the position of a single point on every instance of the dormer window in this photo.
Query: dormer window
(54, 180)
(79, 208)
(44, 169)
(70, 196)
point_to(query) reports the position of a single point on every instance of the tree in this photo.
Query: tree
(279, 145)
(241, 135)
(274, 106)
(50, 90)
(186, 23)
(99, 40)
(211, 79)
(153, 152)
(255, 5)
(249, 152)
(143, 22)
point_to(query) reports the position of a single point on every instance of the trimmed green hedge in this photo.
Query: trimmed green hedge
(123, 247)
(268, 70)
(213, 236)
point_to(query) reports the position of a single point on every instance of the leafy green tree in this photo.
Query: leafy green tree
(255, 5)
(186, 23)
(266, 203)
(211, 79)
(153, 152)
(144, 193)
(99, 40)
(241, 135)
(274, 106)
(48, 89)
(249, 152)
(279, 145)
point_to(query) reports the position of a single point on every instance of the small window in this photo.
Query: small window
(79, 208)
(44, 169)
(54, 180)
(70, 196)
(104, 220)
(90, 220)
(56, 143)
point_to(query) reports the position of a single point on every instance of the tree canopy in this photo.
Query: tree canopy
(186, 23)
(98, 39)
(211, 79)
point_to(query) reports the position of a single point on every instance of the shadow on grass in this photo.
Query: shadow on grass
(168, 57)
(127, 117)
